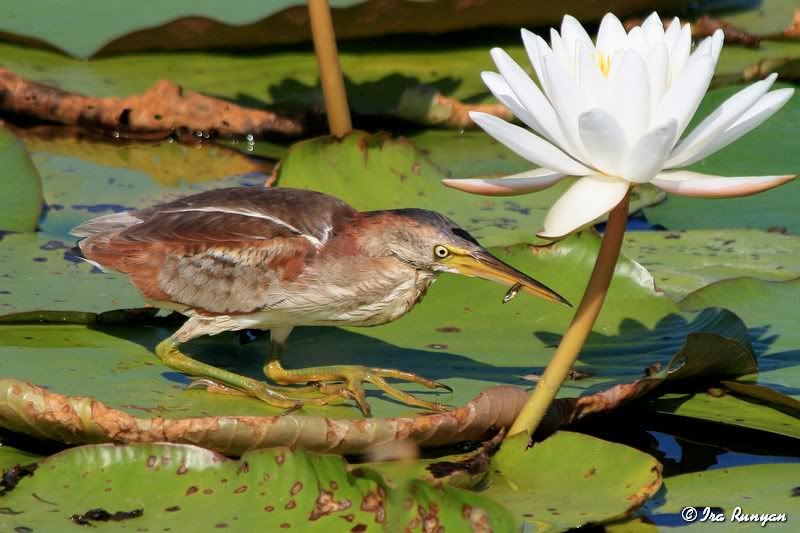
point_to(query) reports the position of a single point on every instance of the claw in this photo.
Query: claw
(297, 406)
(212, 386)
(448, 388)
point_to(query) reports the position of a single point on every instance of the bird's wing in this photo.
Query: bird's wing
(223, 251)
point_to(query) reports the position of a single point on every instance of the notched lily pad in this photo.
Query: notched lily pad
(573, 479)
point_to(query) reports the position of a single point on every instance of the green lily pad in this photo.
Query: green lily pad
(40, 273)
(682, 262)
(173, 485)
(756, 301)
(754, 489)
(761, 304)
(350, 168)
(21, 202)
(10, 457)
(769, 149)
(602, 481)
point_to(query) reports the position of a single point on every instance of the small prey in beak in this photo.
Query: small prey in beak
(512, 292)
(484, 265)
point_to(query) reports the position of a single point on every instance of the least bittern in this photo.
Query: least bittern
(243, 258)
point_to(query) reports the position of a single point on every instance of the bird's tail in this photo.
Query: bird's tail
(105, 224)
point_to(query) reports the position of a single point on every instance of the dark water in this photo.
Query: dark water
(685, 445)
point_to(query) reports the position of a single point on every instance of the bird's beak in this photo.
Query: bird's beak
(484, 265)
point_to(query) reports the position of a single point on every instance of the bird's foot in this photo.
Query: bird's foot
(351, 378)
(283, 397)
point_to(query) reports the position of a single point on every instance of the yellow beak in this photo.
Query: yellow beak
(484, 265)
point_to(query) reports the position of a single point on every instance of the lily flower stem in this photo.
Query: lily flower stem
(570, 347)
(330, 71)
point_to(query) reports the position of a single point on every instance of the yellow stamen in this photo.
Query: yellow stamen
(603, 62)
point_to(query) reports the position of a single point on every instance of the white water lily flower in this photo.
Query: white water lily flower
(613, 113)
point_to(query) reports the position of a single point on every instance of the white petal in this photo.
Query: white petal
(718, 121)
(718, 39)
(658, 67)
(682, 98)
(590, 79)
(611, 35)
(671, 34)
(560, 51)
(646, 158)
(568, 102)
(637, 41)
(604, 140)
(653, 29)
(767, 106)
(698, 185)
(588, 199)
(500, 89)
(527, 145)
(530, 96)
(534, 46)
(629, 95)
(679, 53)
(574, 35)
(616, 61)
(522, 183)
(703, 48)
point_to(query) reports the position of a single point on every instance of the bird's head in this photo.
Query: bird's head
(432, 242)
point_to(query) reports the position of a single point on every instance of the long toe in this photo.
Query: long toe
(378, 380)
(276, 396)
(349, 378)
(402, 375)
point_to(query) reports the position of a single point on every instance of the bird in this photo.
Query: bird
(243, 258)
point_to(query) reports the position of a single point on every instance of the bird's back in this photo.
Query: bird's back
(219, 251)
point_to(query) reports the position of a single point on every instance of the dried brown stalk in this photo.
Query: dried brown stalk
(33, 410)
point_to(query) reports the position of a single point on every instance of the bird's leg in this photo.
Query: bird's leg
(169, 352)
(348, 377)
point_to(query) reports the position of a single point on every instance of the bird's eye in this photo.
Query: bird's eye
(440, 251)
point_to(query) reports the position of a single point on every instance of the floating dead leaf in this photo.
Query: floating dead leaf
(793, 31)
(164, 108)
(705, 26)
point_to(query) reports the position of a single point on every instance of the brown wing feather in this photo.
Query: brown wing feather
(219, 251)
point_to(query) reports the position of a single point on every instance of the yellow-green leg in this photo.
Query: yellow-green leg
(351, 376)
(169, 352)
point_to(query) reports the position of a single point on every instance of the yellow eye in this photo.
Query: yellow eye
(440, 251)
